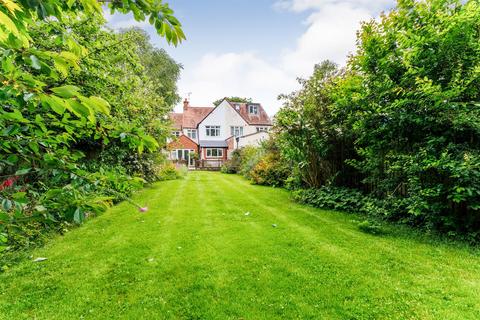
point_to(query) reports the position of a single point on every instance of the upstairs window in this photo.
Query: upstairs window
(236, 131)
(192, 133)
(262, 129)
(253, 109)
(176, 133)
(212, 131)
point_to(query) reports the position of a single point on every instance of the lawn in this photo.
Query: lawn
(198, 254)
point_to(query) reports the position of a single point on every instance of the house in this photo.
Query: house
(210, 134)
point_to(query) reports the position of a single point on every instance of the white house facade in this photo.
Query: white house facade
(214, 132)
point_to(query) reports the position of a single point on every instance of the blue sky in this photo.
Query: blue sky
(257, 48)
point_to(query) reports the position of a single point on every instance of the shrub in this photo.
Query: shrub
(371, 228)
(270, 171)
(400, 122)
(233, 165)
(341, 199)
(171, 172)
(250, 156)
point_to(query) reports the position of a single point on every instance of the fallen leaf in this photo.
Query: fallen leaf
(39, 259)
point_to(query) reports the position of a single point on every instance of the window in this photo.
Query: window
(236, 131)
(253, 109)
(183, 155)
(214, 153)
(176, 133)
(192, 133)
(262, 129)
(213, 131)
(237, 106)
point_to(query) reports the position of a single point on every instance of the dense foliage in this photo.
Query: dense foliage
(82, 111)
(261, 165)
(233, 99)
(401, 123)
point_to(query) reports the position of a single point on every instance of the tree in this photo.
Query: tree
(233, 99)
(66, 93)
(309, 130)
(158, 65)
(403, 117)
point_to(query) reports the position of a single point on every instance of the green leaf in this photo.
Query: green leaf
(35, 63)
(81, 110)
(12, 159)
(78, 216)
(67, 91)
(8, 24)
(55, 103)
(19, 195)
(6, 204)
(15, 115)
(34, 147)
(22, 172)
(61, 66)
(98, 104)
(41, 123)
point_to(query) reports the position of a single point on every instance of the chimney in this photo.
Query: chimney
(186, 103)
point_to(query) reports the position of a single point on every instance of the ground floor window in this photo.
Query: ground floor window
(186, 155)
(214, 153)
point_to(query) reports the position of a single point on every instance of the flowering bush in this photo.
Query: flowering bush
(270, 171)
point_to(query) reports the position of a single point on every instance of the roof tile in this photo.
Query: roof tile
(261, 118)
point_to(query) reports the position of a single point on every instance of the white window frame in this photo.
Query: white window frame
(192, 133)
(252, 109)
(209, 152)
(212, 131)
(176, 133)
(236, 131)
(184, 154)
(262, 129)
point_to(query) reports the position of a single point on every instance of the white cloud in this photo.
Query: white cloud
(330, 34)
(118, 21)
(235, 74)
(374, 6)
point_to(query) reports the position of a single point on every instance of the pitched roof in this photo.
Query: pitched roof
(191, 116)
(261, 118)
(177, 119)
(183, 142)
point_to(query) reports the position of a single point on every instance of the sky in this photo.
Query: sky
(257, 48)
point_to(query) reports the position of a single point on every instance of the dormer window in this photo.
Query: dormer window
(253, 109)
